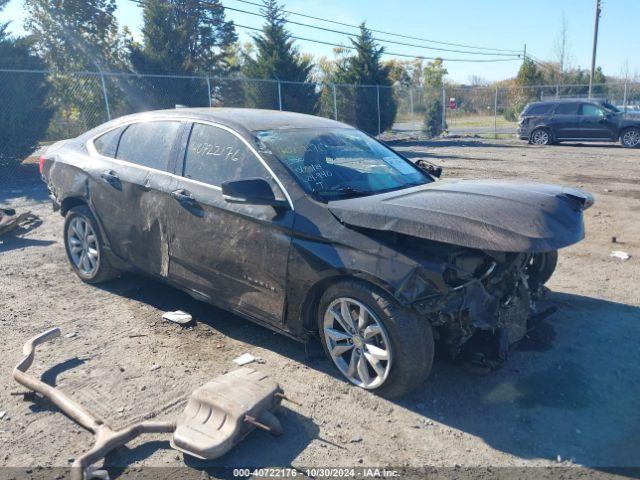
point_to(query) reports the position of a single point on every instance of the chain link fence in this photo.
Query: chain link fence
(72, 103)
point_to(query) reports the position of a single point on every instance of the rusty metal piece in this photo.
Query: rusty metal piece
(244, 394)
(284, 397)
(9, 220)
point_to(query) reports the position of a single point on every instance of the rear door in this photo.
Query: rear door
(132, 193)
(565, 121)
(234, 255)
(594, 123)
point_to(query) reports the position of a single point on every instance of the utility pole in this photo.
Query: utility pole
(524, 53)
(595, 45)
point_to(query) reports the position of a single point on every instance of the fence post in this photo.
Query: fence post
(378, 99)
(444, 108)
(624, 97)
(209, 90)
(335, 102)
(411, 101)
(106, 97)
(495, 115)
(279, 96)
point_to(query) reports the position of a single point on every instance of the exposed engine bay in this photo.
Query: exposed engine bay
(493, 300)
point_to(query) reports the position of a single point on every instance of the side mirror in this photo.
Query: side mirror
(251, 191)
(430, 168)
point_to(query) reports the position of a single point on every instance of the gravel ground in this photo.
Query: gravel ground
(567, 397)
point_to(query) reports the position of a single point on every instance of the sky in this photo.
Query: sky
(503, 24)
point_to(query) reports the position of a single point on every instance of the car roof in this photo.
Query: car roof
(251, 119)
(569, 100)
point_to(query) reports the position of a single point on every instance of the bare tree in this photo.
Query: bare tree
(562, 48)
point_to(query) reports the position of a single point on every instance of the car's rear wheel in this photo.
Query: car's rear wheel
(630, 138)
(373, 341)
(85, 248)
(541, 136)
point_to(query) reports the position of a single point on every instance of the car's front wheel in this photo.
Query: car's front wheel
(630, 138)
(540, 136)
(85, 248)
(373, 341)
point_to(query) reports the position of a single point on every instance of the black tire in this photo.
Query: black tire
(410, 337)
(542, 267)
(103, 269)
(541, 136)
(630, 137)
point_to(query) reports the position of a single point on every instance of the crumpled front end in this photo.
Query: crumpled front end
(480, 303)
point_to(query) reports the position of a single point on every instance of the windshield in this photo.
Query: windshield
(333, 163)
(610, 107)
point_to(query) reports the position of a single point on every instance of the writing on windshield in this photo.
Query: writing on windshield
(338, 162)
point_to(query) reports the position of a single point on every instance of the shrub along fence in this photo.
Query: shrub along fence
(39, 107)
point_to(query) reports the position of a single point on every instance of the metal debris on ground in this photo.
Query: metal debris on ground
(234, 403)
(620, 254)
(10, 221)
(179, 317)
(246, 358)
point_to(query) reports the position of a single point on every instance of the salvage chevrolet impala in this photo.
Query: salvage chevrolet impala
(311, 227)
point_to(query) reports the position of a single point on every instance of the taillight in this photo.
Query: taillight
(41, 163)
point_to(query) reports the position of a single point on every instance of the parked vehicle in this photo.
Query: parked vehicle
(312, 227)
(544, 123)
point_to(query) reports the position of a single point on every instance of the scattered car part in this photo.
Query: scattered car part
(10, 221)
(222, 412)
(234, 404)
(179, 317)
(620, 254)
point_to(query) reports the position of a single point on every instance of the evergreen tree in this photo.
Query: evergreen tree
(24, 116)
(72, 36)
(433, 81)
(184, 37)
(371, 78)
(529, 76)
(276, 58)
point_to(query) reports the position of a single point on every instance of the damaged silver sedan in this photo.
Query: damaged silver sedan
(311, 227)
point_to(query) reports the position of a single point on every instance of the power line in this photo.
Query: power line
(388, 53)
(322, 42)
(384, 32)
(382, 40)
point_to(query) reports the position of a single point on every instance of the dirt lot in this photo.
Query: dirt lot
(568, 396)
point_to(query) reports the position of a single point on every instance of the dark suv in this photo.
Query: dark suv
(544, 123)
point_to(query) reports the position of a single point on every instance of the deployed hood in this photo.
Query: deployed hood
(488, 215)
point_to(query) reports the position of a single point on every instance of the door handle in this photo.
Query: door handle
(111, 178)
(145, 187)
(183, 196)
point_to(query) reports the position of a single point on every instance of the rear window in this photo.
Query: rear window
(149, 143)
(567, 109)
(542, 109)
(107, 144)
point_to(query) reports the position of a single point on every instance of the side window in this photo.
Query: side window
(149, 143)
(592, 110)
(539, 109)
(567, 109)
(215, 155)
(107, 143)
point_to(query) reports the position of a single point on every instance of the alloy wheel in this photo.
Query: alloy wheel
(83, 246)
(357, 342)
(540, 137)
(631, 138)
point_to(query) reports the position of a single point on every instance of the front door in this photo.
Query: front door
(594, 123)
(235, 255)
